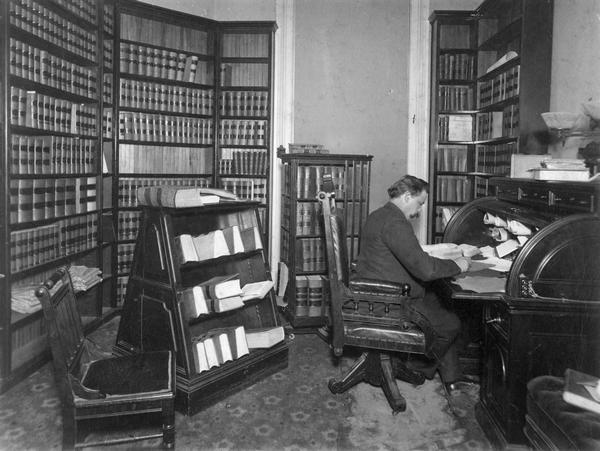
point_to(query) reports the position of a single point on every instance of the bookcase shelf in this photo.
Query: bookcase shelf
(158, 286)
(302, 238)
(503, 103)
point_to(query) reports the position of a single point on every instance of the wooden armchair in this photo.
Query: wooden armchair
(110, 400)
(369, 314)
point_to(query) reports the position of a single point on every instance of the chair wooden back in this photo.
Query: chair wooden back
(337, 264)
(64, 329)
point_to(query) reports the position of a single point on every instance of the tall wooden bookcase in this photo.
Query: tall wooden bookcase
(484, 107)
(154, 316)
(302, 237)
(194, 109)
(117, 94)
(51, 77)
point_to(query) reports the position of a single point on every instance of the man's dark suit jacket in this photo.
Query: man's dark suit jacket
(389, 250)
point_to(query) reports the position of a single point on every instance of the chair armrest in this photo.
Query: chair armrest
(82, 391)
(378, 287)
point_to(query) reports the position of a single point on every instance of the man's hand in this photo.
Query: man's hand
(463, 263)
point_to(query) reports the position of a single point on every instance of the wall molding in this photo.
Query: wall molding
(283, 116)
(417, 161)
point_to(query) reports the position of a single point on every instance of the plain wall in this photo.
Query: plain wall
(351, 91)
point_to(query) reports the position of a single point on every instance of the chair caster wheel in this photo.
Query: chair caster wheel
(334, 386)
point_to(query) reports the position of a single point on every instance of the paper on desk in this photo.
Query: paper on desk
(492, 262)
(481, 284)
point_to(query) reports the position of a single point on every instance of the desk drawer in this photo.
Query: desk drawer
(573, 200)
(534, 195)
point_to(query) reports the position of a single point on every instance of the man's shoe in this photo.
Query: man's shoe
(460, 384)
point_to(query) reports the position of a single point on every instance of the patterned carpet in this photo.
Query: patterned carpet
(290, 410)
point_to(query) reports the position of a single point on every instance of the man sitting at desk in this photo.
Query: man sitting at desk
(389, 250)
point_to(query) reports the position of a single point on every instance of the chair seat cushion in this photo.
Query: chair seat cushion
(402, 340)
(566, 426)
(147, 372)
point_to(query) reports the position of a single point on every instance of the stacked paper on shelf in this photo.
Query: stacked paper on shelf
(24, 300)
(84, 278)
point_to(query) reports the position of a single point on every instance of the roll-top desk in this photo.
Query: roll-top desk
(548, 318)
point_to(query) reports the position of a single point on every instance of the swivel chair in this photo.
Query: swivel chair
(369, 314)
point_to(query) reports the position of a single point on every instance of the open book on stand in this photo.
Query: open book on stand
(180, 196)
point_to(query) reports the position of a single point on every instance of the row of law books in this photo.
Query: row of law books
(32, 247)
(164, 34)
(452, 158)
(246, 188)
(238, 132)
(135, 158)
(148, 95)
(503, 86)
(307, 148)
(482, 186)
(107, 123)
(49, 154)
(243, 161)
(308, 216)
(37, 199)
(310, 255)
(32, 109)
(128, 224)
(40, 66)
(137, 59)
(33, 17)
(122, 282)
(244, 103)
(107, 54)
(125, 257)
(498, 124)
(495, 159)
(245, 75)
(455, 98)
(248, 45)
(220, 294)
(454, 188)
(311, 295)
(456, 66)
(128, 187)
(219, 346)
(107, 88)
(309, 181)
(218, 243)
(108, 18)
(165, 128)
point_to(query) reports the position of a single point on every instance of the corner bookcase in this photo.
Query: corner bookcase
(302, 237)
(154, 317)
(490, 81)
(101, 97)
